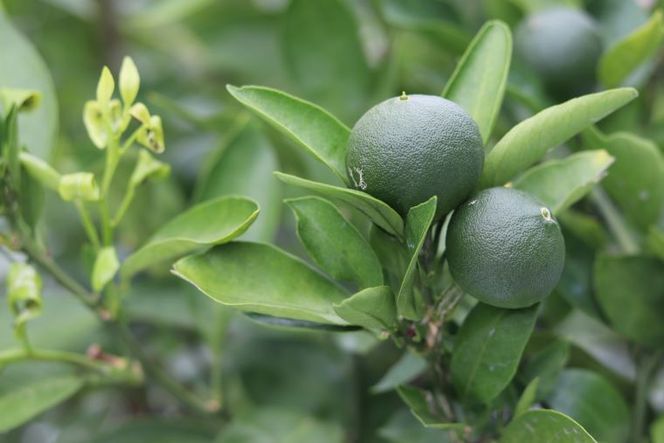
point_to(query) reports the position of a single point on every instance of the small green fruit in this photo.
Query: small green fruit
(505, 248)
(563, 45)
(407, 149)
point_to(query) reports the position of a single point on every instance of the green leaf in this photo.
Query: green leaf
(130, 81)
(23, 68)
(545, 364)
(371, 308)
(528, 141)
(324, 55)
(418, 222)
(24, 100)
(624, 57)
(24, 295)
(630, 291)
(636, 180)
(295, 325)
(155, 429)
(21, 403)
(561, 183)
(488, 350)
(377, 211)
(261, 278)
(243, 165)
(655, 241)
(318, 131)
(592, 401)
(527, 398)
(545, 426)
(657, 430)
(478, 82)
(40, 170)
(334, 244)
(210, 223)
(424, 407)
(105, 267)
(409, 366)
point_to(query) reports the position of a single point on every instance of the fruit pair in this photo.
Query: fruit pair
(503, 247)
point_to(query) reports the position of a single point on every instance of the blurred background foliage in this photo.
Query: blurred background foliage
(346, 55)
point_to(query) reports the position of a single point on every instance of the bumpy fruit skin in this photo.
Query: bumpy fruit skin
(407, 149)
(505, 248)
(563, 45)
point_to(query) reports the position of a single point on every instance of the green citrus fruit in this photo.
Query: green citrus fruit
(407, 149)
(563, 45)
(505, 248)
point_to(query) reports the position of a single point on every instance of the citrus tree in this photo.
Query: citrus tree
(512, 273)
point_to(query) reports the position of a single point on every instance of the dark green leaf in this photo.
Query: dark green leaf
(630, 291)
(545, 365)
(171, 430)
(655, 241)
(318, 131)
(561, 183)
(488, 350)
(418, 222)
(334, 243)
(478, 82)
(619, 61)
(545, 426)
(636, 180)
(261, 278)
(377, 211)
(527, 398)
(23, 67)
(408, 367)
(424, 406)
(528, 141)
(209, 223)
(592, 401)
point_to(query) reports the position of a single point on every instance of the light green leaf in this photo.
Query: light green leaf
(657, 430)
(243, 165)
(105, 267)
(636, 180)
(527, 398)
(561, 183)
(630, 291)
(261, 278)
(23, 402)
(210, 223)
(423, 406)
(147, 167)
(23, 68)
(478, 82)
(105, 87)
(418, 222)
(334, 244)
(371, 308)
(592, 401)
(318, 131)
(78, 186)
(377, 211)
(488, 350)
(24, 100)
(24, 295)
(625, 56)
(545, 426)
(40, 170)
(130, 81)
(528, 141)
(409, 366)
(324, 55)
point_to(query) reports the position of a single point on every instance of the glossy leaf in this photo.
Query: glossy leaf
(261, 278)
(409, 366)
(545, 426)
(478, 82)
(315, 129)
(243, 165)
(334, 244)
(528, 141)
(418, 222)
(630, 291)
(625, 56)
(210, 223)
(20, 403)
(423, 406)
(592, 401)
(23, 68)
(377, 211)
(371, 308)
(561, 183)
(527, 398)
(324, 54)
(488, 350)
(636, 180)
